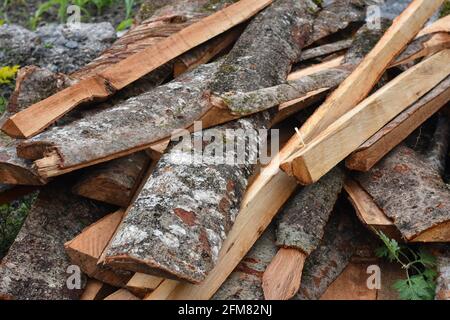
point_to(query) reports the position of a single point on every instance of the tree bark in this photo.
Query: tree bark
(245, 282)
(36, 264)
(443, 269)
(302, 221)
(326, 49)
(178, 223)
(409, 189)
(325, 264)
(104, 144)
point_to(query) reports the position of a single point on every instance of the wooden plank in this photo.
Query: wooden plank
(348, 132)
(374, 149)
(36, 266)
(85, 249)
(358, 85)
(142, 284)
(367, 210)
(441, 25)
(101, 86)
(351, 285)
(213, 47)
(287, 264)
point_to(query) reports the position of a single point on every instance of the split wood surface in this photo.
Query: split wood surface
(375, 148)
(104, 84)
(351, 130)
(409, 189)
(196, 204)
(358, 85)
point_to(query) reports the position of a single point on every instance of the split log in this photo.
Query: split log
(156, 129)
(113, 182)
(85, 249)
(341, 238)
(368, 212)
(443, 268)
(257, 211)
(424, 46)
(36, 264)
(116, 77)
(300, 230)
(374, 149)
(358, 85)
(213, 47)
(441, 25)
(9, 193)
(351, 130)
(326, 49)
(34, 84)
(199, 209)
(245, 282)
(410, 191)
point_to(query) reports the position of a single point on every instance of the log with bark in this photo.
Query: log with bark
(34, 84)
(245, 282)
(409, 189)
(374, 149)
(156, 128)
(342, 236)
(116, 77)
(348, 132)
(299, 232)
(359, 84)
(36, 266)
(203, 199)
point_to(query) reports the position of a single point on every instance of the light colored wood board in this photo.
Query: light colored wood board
(40, 115)
(441, 25)
(281, 279)
(358, 85)
(351, 285)
(374, 149)
(142, 284)
(205, 52)
(435, 43)
(122, 294)
(351, 130)
(336, 62)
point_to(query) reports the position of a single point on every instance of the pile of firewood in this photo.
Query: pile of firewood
(345, 94)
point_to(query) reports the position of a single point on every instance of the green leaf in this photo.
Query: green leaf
(427, 259)
(415, 288)
(392, 247)
(430, 274)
